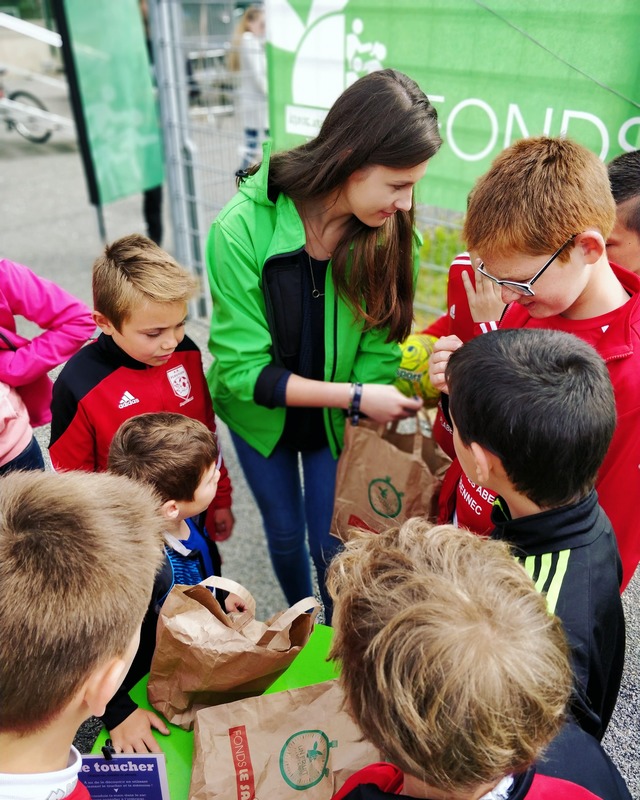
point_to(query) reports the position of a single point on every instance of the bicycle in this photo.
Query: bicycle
(24, 113)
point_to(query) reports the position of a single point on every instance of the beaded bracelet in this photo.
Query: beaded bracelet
(353, 411)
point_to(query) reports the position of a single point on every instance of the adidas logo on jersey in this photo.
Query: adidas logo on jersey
(127, 400)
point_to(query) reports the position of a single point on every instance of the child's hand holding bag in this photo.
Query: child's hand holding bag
(204, 657)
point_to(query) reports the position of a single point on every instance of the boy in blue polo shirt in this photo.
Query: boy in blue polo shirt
(179, 457)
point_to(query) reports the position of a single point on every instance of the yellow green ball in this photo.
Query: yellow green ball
(413, 372)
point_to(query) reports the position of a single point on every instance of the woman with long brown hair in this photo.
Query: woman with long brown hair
(312, 268)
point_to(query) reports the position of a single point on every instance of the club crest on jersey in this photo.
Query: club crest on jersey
(180, 383)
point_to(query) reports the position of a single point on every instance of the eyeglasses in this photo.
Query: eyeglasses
(525, 288)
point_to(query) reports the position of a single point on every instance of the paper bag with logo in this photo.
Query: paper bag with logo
(293, 745)
(204, 656)
(385, 477)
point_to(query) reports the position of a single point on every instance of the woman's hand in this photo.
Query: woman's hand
(439, 359)
(384, 403)
(380, 402)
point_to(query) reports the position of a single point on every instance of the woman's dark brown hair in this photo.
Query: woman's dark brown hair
(382, 119)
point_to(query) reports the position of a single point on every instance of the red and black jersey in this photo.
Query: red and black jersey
(616, 337)
(572, 557)
(458, 321)
(101, 387)
(574, 767)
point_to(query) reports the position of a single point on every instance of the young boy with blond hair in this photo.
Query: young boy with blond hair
(141, 362)
(454, 669)
(179, 458)
(78, 555)
(539, 220)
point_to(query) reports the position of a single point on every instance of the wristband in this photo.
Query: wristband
(353, 412)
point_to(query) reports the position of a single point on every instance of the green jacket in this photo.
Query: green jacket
(249, 235)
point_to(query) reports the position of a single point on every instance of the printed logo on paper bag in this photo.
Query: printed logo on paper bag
(384, 498)
(245, 782)
(328, 58)
(304, 758)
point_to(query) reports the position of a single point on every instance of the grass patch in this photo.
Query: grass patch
(441, 245)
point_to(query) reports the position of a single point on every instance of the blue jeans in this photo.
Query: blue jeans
(29, 459)
(290, 515)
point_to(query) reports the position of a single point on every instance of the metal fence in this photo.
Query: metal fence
(204, 138)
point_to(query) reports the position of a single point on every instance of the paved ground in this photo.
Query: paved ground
(46, 223)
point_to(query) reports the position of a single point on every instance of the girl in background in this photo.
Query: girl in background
(247, 59)
(25, 388)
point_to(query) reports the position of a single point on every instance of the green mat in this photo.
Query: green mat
(308, 668)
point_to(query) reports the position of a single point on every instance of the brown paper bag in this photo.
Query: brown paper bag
(294, 744)
(204, 656)
(385, 477)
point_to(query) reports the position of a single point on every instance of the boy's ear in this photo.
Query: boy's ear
(103, 323)
(484, 463)
(102, 684)
(170, 510)
(592, 245)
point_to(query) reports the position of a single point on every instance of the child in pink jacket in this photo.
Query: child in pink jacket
(25, 388)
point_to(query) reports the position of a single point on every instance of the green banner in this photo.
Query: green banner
(496, 71)
(116, 96)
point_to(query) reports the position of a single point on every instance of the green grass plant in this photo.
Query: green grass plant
(442, 243)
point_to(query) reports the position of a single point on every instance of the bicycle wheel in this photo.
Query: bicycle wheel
(34, 128)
